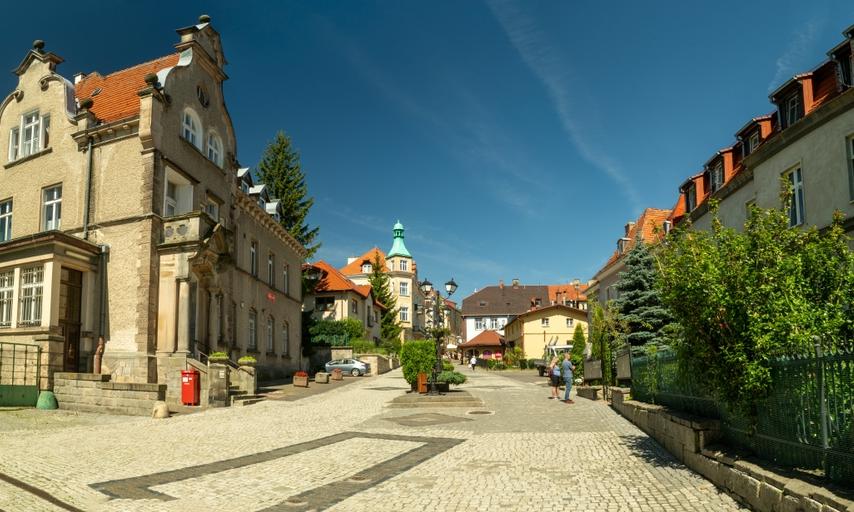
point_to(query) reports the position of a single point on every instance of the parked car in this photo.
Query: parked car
(352, 366)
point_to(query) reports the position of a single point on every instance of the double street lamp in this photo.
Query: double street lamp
(438, 324)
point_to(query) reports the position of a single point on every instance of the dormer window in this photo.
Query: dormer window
(192, 129)
(716, 176)
(753, 142)
(691, 197)
(262, 203)
(622, 244)
(367, 268)
(244, 187)
(792, 112)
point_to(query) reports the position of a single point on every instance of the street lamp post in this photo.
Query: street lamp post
(427, 287)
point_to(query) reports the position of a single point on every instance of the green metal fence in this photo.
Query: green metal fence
(19, 374)
(806, 421)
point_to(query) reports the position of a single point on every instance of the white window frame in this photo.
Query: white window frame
(271, 335)
(354, 306)
(404, 314)
(367, 268)
(181, 201)
(215, 149)
(797, 210)
(753, 141)
(6, 220)
(404, 289)
(404, 265)
(569, 322)
(691, 197)
(716, 176)
(328, 304)
(14, 143)
(478, 324)
(252, 343)
(212, 208)
(793, 109)
(30, 298)
(271, 270)
(493, 323)
(7, 294)
(253, 258)
(191, 128)
(544, 322)
(52, 208)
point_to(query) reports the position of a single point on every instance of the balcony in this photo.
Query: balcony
(189, 227)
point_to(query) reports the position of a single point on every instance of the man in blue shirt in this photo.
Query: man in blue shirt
(567, 367)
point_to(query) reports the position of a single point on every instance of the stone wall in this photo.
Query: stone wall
(87, 392)
(379, 363)
(687, 438)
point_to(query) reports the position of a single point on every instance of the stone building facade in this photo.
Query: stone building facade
(123, 218)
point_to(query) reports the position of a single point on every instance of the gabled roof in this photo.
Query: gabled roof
(649, 227)
(355, 267)
(554, 309)
(557, 292)
(504, 300)
(117, 98)
(485, 339)
(334, 281)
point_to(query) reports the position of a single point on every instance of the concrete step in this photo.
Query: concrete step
(434, 405)
(245, 399)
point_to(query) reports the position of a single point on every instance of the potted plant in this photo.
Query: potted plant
(446, 378)
(301, 379)
(247, 361)
(217, 357)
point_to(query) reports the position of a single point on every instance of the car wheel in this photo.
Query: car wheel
(355, 372)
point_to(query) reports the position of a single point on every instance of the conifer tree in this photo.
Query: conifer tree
(578, 345)
(281, 171)
(639, 305)
(389, 326)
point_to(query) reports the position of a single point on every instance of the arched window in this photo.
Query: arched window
(214, 149)
(192, 128)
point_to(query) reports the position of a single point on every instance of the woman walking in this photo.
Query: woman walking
(554, 376)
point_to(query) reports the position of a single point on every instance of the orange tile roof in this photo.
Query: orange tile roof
(485, 339)
(335, 281)
(568, 291)
(355, 267)
(118, 98)
(650, 228)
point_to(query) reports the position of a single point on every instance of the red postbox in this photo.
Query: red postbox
(190, 387)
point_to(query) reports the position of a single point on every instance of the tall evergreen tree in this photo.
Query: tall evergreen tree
(578, 345)
(640, 305)
(389, 325)
(281, 171)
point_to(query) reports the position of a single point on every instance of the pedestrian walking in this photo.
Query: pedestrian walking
(567, 368)
(473, 362)
(554, 376)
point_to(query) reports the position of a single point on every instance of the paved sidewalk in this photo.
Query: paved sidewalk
(343, 450)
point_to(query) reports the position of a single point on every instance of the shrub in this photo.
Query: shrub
(336, 332)
(247, 361)
(216, 357)
(417, 356)
(300, 374)
(447, 366)
(366, 347)
(532, 363)
(451, 377)
(512, 356)
(523, 363)
(495, 364)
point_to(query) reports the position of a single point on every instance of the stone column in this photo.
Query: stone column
(183, 320)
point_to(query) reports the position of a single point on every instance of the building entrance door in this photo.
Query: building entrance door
(70, 291)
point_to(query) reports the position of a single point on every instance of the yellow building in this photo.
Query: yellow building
(551, 325)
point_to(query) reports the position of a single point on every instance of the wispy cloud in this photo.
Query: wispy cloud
(545, 63)
(795, 54)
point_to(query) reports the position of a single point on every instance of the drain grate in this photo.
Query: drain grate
(296, 502)
(480, 412)
(358, 479)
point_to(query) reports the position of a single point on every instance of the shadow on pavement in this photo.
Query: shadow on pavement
(648, 450)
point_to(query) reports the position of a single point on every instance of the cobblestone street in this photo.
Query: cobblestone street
(344, 450)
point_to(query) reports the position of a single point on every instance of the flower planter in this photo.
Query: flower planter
(301, 381)
(337, 375)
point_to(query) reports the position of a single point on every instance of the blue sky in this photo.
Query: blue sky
(511, 138)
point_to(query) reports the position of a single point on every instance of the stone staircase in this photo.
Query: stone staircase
(238, 397)
(452, 399)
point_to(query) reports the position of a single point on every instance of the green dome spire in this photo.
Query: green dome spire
(398, 248)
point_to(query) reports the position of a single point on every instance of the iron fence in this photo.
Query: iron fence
(806, 420)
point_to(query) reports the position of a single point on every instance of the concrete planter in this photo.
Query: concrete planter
(337, 374)
(321, 378)
(301, 382)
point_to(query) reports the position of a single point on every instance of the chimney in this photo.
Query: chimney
(78, 77)
(629, 226)
(515, 282)
(351, 259)
(501, 284)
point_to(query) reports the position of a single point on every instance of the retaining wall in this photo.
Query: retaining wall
(688, 437)
(87, 392)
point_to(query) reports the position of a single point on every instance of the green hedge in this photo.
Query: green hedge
(417, 356)
(451, 377)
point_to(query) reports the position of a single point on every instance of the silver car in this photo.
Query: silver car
(352, 366)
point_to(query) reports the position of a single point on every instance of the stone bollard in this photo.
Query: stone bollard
(337, 375)
(160, 410)
(321, 378)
